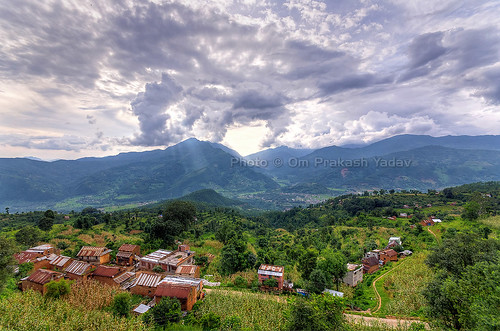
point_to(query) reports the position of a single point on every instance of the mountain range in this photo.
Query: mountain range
(400, 162)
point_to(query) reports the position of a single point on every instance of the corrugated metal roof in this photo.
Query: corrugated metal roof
(141, 309)
(93, 251)
(78, 268)
(173, 290)
(127, 248)
(26, 256)
(187, 269)
(40, 248)
(266, 269)
(156, 256)
(147, 279)
(124, 254)
(59, 260)
(43, 276)
(124, 277)
(183, 280)
(104, 271)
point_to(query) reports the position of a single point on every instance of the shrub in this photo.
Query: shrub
(271, 282)
(165, 312)
(57, 289)
(158, 269)
(210, 321)
(240, 282)
(121, 304)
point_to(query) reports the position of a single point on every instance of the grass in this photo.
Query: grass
(492, 221)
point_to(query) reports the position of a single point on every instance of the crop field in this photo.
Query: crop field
(257, 311)
(402, 287)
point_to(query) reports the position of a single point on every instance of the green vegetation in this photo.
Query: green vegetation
(57, 289)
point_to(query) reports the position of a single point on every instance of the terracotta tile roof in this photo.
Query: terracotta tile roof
(370, 261)
(78, 268)
(93, 251)
(173, 290)
(43, 276)
(127, 248)
(104, 271)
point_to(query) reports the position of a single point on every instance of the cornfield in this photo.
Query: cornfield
(257, 311)
(404, 286)
(91, 295)
(31, 311)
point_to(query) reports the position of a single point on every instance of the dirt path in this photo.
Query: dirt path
(379, 298)
(377, 321)
(435, 236)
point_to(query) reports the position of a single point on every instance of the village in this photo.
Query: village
(165, 273)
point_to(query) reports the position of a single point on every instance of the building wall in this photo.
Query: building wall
(143, 290)
(105, 280)
(105, 258)
(279, 279)
(354, 277)
(372, 269)
(26, 285)
(78, 278)
(186, 303)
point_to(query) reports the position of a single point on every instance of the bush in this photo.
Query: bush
(165, 312)
(240, 282)
(210, 321)
(59, 288)
(121, 304)
(231, 323)
(158, 269)
(271, 282)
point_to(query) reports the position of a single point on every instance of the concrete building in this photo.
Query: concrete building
(354, 274)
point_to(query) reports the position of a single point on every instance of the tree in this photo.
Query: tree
(234, 257)
(28, 235)
(165, 312)
(307, 262)
(58, 288)
(320, 312)
(334, 265)
(7, 250)
(210, 321)
(471, 211)
(47, 221)
(318, 281)
(178, 217)
(24, 269)
(122, 303)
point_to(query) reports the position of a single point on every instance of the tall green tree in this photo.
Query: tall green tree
(122, 303)
(47, 221)
(7, 250)
(28, 235)
(334, 264)
(177, 218)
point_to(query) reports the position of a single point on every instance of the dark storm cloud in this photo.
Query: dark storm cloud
(150, 107)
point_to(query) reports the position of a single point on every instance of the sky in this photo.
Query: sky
(95, 78)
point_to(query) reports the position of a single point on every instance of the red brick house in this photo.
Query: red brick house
(388, 255)
(127, 254)
(107, 275)
(78, 271)
(427, 222)
(188, 271)
(145, 284)
(39, 279)
(185, 293)
(94, 255)
(267, 271)
(370, 264)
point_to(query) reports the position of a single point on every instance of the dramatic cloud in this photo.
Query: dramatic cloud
(94, 78)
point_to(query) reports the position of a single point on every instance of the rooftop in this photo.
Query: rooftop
(40, 248)
(127, 248)
(105, 271)
(147, 279)
(156, 256)
(78, 268)
(186, 269)
(58, 260)
(173, 290)
(175, 258)
(352, 267)
(267, 269)
(93, 251)
(43, 276)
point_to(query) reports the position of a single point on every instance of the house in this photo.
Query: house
(370, 264)
(267, 271)
(125, 280)
(197, 283)
(374, 253)
(436, 220)
(403, 215)
(151, 260)
(39, 279)
(396, 239)
(388, 255)
(94, 255)
(392, 218)
(185, 293)
(428, 222)
(405, 253)
(45, 249)
(180, 257)
(59, 262)
(78, 270)
(127, 254)
(145, 284)
(354, 274)
(107, 275)
(188, 271)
